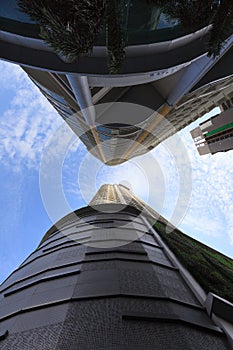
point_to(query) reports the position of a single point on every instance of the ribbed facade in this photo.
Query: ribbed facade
(128, 133)
(103, 279)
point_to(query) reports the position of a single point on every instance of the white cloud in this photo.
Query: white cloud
(211, 207)
(28, 121)
(11, 75)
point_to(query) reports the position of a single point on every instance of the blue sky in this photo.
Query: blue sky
(202, 209)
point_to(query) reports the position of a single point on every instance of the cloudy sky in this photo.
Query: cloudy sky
(195, 193)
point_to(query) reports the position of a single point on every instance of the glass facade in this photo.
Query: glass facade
(10, 10)
(15, 21)
(143, 23)
(49, 93)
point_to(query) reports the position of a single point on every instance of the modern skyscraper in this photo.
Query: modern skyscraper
(167, 79)
(215, 134)
(102, 278)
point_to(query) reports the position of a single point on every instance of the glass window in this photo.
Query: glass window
(101, 128)
(50, 93)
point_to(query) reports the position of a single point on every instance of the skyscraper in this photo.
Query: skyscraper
(215, 134)
(167, 79)
(102, 278)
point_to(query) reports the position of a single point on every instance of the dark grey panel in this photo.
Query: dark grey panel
(34, 339)
(40, 318)
(3, 334)
(53, 271)
(97, 283)
(188, 316)
(117, 255)
(158, 255)
(222, 308)
(173, 285)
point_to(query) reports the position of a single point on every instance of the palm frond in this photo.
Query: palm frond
(69, 27)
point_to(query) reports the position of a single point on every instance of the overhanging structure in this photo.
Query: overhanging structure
(166, 70)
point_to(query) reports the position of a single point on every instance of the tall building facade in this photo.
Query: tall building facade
(167, 80)
(215, 134)
(102, 278)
